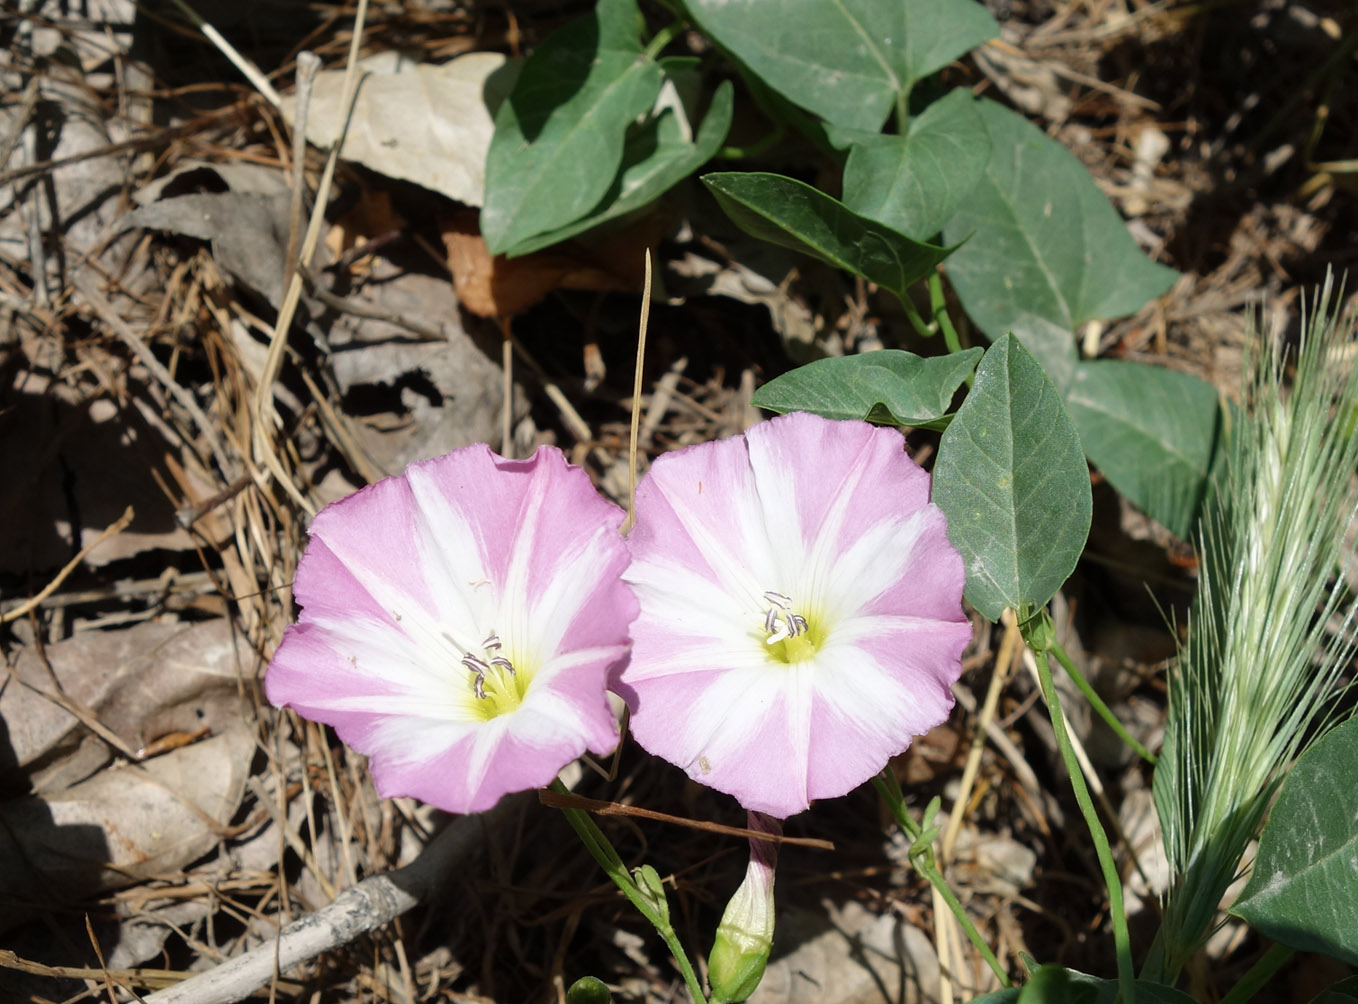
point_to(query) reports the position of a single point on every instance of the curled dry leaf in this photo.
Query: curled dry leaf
(495, 286)
(142, 684)
(123, 825)
(408, 370)
(426, 123)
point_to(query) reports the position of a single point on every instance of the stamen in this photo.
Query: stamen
(780, 601)
(780, 621)
(481, 666)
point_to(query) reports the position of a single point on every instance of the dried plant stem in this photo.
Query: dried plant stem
(266, 417)
(355, 911)
(1003, 661)
(308, 64)
(117, 527)
(636, 402)
(248, 70)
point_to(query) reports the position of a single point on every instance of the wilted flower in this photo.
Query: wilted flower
(801, 614)
(459, 623)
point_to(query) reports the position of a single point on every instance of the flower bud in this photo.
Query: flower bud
(745, 934)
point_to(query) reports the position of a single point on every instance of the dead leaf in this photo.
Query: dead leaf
(414, 398)
(142, 684)
(421, 122)
(248, 232)
(495, 286)
(124, 825)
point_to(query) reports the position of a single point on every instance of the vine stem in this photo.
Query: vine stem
(603, 852)
(1121, 938)
(923, 863)
(1259, 974)
(1104, 711)
(938, 304)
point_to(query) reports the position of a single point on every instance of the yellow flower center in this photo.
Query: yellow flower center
(790, 637)
(497, 685)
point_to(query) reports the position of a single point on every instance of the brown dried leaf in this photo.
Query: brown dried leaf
(123, 825)
(495, 286)
(430, 124)
(141, 684)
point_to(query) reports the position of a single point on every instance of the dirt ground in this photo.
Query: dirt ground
(160, 454)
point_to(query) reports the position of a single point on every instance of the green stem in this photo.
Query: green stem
(662, 38)
(1096, 702)
(756, 148)
(903, 111)
(603, 852)
(922, 327)
(1121, 939)
(926, 866)
(939, 305)
(1259, 974)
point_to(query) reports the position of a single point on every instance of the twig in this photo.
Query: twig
(117, 527)
(636, 403)
(87, 287)
(360, 908)
(20, 121)
(266, 416)
(348, 306)
(308, 63)
(248, 69)
(223, 117)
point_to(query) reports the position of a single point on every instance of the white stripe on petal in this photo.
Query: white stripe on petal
(874, 563)
(687, 600)
(578, 572)
(739, 573)
(454, 563)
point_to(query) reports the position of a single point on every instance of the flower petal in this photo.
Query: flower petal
(405, 578)
(834, 518)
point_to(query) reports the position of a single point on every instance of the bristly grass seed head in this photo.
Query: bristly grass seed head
(1259, 671)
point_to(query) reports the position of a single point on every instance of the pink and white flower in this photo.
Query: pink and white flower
(459, 624)
(801, 610)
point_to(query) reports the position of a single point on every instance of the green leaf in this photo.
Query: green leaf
(1047, 252)
(890, 387)
(787, 212)
(1343, 992)
(1053, 984)
(1153, 432)
(914, 183)
(1012, 480)
(851, 61)
(1303, 890)
(656, 158)
(559, 136)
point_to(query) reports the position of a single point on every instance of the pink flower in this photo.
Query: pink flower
(459, 623)
(801, 610)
